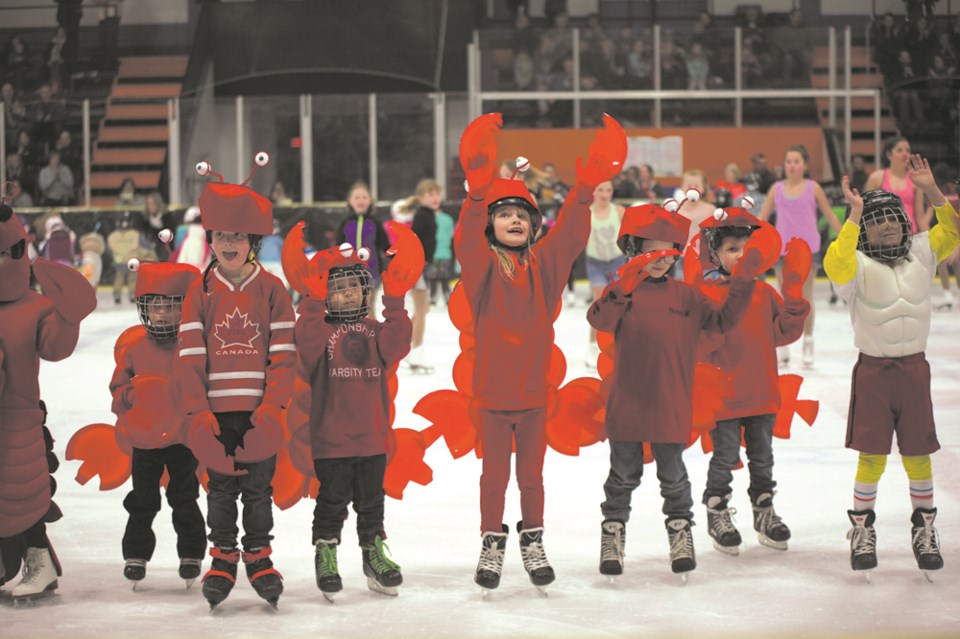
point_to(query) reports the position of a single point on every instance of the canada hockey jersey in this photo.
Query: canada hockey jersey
(236, 344)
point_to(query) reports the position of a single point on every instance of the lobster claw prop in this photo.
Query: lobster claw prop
(300, 272)
(632, 273)
(478, 151)
(97, 448)
(406, 267)
(156, 405)
(606, 156)
(67, 288)
(796, 268)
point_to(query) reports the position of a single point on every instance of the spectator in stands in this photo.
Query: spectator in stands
(108, 35)
(522, 71)
(698, 68)
(939, 94)
(614, 68)
(69, 154)
(69, 13)
(524, 39)
(518, 7)
(857, 173)
(13, 110)
(555, 10)
(594, 32)
(731, 182)
(127, 196)
(53, 60)
(29, 156)
(673, 65)
(902, 88)
(795, 43)
(23, 200)
(16, 62)
(626, 186)
(278, 195)
(56, 183)
(649, 187)
(14, 168)
(922, 42)
(945, 50)
(887, 41)
(640, 64)
(560, 33)
(46, 117)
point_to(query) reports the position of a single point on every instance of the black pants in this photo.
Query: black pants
(356, 479)
(143, 502)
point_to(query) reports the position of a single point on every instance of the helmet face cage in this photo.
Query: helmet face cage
(160, 315)
(536, 218)
(880, 209)
(340, 278)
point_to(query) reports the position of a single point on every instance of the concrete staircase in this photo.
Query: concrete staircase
(133, 135)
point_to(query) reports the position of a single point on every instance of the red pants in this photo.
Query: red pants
(497, 430)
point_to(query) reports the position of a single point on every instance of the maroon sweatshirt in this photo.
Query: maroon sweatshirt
(513, 318)
(748, 351)
(656, 330)
(345, 365)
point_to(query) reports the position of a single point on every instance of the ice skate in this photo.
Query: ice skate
(863, 541)
(416, 362)
(571, 299)
(325, 567)
(189, 570)
(491, 560)
(807, 351)
(613, 539)
(39, 578)
(135, 570)
(926, 541)
(593, 353)
(771, 531)
(783, 356)
(534, 558)
(683, 559)
(383, 575)
(262, 575)
(944, 303)
(726, 537)
(219, 580)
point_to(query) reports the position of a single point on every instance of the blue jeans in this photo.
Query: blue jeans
(626, 469)
(256, 493)
(758, 436)
(344, 480)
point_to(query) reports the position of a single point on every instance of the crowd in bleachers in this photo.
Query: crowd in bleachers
(919, 58)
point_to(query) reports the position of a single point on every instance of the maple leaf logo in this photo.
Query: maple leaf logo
(236, 330)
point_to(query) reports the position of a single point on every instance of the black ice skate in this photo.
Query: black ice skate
(40, 572)
(534, 558)
(135, 570)
(613, 539)
(219, 580)
(863, 541)
(683, 559)
(262, 575)
(926, 541)
(325, 566)
(726, 537)
(490, 567)
(383, 575)
(771, 531)
(189, 570)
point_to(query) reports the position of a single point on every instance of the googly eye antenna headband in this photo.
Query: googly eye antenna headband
(260, 160)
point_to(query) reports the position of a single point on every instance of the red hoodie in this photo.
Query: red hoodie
(748, 351)
(513, 318)
(345, 365)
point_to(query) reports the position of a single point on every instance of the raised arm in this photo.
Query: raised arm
(840, 263)
(944, 237)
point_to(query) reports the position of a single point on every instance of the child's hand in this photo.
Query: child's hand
(632, 273)
(478, 152)
(854, 199)
(608, 152)
(796, 268)
(918, 170)
(750, 265)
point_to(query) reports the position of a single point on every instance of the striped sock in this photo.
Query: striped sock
(865, 495)
(921, 493)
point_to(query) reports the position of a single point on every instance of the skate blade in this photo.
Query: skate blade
(375, 586)
(543, 591)
(928, 575)
(612, 579)
(189, 582)
(733, 551)
(867, 575)
(769, 543)
(29, 601)
(684, 578)
(329, 596)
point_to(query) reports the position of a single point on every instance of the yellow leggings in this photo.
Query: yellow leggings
(870, 467)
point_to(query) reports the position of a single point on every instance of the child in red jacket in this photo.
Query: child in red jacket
(656, 322)
(148, 353)
(748, 356)
(513, 288)
(344, 356)
(236, 376)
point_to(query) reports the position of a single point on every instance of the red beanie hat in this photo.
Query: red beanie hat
(234, 207)
(653, 222)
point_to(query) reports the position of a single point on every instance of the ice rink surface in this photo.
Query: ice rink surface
(807, 591)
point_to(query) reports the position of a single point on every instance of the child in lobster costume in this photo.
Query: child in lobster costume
(236, 376)
(33, 326)
(345, 357)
